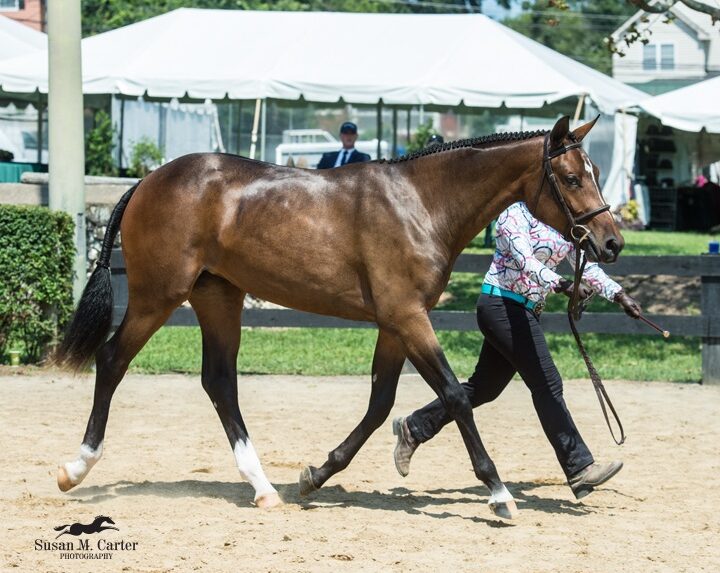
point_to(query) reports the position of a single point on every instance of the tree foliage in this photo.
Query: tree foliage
(145, 157)
(99, 146)
(421, 137)
(577, 28)
(103, 15)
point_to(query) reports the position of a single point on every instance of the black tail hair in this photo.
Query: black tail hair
(93, 316)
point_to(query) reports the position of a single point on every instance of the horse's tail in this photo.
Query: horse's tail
(92, 320)
(60, 527)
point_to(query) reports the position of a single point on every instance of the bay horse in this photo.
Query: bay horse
(373, 241)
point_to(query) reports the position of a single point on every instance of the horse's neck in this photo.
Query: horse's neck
(477, 185)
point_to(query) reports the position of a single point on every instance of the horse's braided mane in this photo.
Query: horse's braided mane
(471, 142)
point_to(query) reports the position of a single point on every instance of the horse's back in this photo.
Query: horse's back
(277, 232)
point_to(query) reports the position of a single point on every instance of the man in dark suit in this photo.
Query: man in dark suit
(348, 154)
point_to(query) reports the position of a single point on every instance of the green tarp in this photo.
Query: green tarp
(11, 172)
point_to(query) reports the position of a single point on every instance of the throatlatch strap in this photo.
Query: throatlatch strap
(573, 307)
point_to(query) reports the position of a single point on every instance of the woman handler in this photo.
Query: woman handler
(513, 294)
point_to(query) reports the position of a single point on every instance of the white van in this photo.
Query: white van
(306, 146)
(18, 134)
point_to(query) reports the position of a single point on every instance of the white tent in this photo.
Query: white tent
(692, 108)
(19, 124)
(399, 58)
(17, 39)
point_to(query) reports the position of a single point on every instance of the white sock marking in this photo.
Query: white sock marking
(249, 465)
(78, 469)
(501, 495)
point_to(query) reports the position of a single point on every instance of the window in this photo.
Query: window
(11, 5)
(658, 57)
(667, 57)
(649, 57)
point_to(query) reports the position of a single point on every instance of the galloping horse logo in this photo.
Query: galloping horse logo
(78, 528)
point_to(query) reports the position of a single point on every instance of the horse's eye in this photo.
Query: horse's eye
(573, 180)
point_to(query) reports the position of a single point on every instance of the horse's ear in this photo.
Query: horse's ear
(559, 132)
(580, 132)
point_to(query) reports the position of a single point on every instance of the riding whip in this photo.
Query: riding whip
(665, 333)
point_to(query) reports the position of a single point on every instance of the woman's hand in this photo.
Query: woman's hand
(567, 287)
(629, 304)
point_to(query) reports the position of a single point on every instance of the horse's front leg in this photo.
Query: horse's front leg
(387, 365)
(423, 349)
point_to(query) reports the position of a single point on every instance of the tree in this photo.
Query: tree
(99, 146)
(577, 28)
(581, 28)
(662, 6)
(103, 15)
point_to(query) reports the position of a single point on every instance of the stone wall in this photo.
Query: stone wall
(101, 195)
(97, 217)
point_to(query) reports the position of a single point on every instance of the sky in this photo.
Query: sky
(490, 8)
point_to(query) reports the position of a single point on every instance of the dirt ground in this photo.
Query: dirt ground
(168, 481)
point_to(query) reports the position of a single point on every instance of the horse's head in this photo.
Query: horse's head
(569, 198)
(103, 518)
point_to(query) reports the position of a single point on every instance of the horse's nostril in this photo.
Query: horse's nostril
(613, 246)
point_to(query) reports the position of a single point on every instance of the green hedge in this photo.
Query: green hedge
(36, 265)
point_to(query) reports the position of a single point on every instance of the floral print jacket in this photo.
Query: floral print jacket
(527, 253)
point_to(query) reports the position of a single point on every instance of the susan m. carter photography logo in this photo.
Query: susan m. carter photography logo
(86, 547)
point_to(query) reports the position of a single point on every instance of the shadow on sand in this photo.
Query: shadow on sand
(396, 499)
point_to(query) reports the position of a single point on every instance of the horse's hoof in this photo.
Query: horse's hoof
(505, 509)
(63, 480)
(306, 483)
(268, 500)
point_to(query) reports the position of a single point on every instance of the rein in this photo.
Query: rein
(579, 234)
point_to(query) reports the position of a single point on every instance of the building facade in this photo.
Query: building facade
(28, 12)
(678, 51)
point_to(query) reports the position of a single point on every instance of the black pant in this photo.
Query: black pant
(514, 342)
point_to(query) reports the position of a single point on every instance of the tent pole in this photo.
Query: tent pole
(120, 133)
(394, 139)
(578, 110)
(263, 130)
(408, 127)
(239, 127)
(379, 128)
(254, 134)
(39, 128)
(228, 136)
(162, 129)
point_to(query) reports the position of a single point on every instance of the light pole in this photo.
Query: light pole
(65, 124)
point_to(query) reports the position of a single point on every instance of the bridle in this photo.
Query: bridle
(578, 233)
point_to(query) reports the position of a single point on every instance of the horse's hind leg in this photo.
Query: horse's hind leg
(387, 365)
(141, 320)
(218, 306)
(424, 351)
